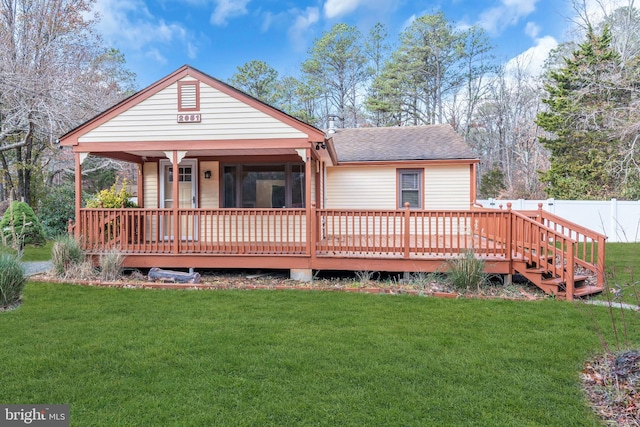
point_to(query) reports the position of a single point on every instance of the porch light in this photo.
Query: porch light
(320, 145)
(207, 174)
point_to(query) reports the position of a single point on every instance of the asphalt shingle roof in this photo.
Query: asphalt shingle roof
(431, 142)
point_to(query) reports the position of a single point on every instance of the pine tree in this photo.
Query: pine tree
(584, 109)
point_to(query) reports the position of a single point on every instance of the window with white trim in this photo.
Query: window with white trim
(410, 188)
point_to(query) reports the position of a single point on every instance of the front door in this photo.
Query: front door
(187, 191)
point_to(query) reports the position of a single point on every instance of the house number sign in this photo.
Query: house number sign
(189, 118)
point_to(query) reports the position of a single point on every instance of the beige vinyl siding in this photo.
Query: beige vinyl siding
(150, 183)
(372, 187)
(447, 187)
(375, 187)
(209, 188)
(222, 117)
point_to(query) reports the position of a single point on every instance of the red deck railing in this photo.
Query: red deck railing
(536, 237)
(410, 233)
(211, 231)
(587, 246)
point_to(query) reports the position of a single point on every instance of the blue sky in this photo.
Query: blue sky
(217, 36)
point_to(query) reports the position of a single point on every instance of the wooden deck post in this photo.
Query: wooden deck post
(540, 214)
(509, 234)
(570, 279)
(312, 218)
(509, 244)
(407, 231)
(78, 188)
(308, 176)
(600, 265)
(140, 185)
(176, 202)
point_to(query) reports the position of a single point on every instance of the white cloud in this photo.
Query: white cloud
(267, 20)
(407, 23)
(300, 27)
(378, 9)
(226, 9)
(532, 30)
(130, 24)
(192, 51)
(508, 13)
(156, 56)
(532, 60)
(336, 8)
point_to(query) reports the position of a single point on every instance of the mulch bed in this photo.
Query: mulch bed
(346, 282)
(611, 384)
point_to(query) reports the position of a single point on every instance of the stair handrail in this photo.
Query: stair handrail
(562, 268)
(597, 261)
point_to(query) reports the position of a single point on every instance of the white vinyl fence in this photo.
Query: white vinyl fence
(618, 220)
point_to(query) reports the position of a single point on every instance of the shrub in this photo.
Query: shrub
(66, 252)
(364, 276)
(55, 210)
(84, 270)
(112, 199)
(422, 280)
(12, 280)
(20, 226)
(467, 271)
(111, 265)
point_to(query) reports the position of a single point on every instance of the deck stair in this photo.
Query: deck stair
(551, 285)
(559, 257)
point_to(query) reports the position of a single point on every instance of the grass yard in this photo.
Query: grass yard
(31, 252)
(623, 262)
(130, 357)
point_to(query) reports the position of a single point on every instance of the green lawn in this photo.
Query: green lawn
(623, 261)
(124, 357)
(33, 253)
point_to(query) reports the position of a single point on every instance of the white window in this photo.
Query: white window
(410, 188)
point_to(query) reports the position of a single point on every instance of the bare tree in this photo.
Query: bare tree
(504, 133)
(54, 74)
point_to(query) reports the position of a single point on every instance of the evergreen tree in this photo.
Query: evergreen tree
(339, 66)
(585, 106)
(259, 80)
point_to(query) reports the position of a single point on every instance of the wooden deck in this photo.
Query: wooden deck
(544, 248)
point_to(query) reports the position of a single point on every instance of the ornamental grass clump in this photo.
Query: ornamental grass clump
(111, 265)
(65, 254)
(467, 271)
(12, 280)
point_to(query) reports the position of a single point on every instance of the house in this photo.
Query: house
(226, 181)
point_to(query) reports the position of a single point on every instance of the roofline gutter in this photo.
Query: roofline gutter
(408, 162)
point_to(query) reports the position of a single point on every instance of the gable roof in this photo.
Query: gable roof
(400, 143)
(72, 137)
